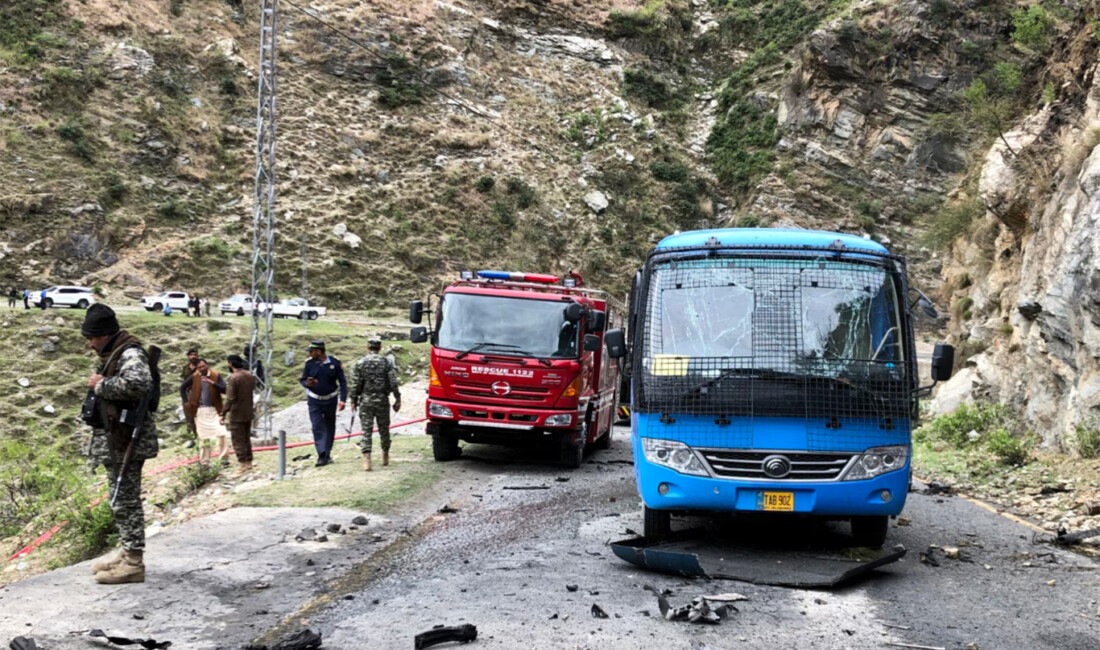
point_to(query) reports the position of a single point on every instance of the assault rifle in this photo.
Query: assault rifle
(136, 418)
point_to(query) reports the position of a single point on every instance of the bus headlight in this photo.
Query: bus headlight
(876, 461)
(439, 411)
(674, 455)
(560, 420)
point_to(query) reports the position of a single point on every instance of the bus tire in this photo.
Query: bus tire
(870, 531)
(656, 524)
(444, 444)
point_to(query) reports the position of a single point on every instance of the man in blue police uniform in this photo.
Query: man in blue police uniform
(327, 391)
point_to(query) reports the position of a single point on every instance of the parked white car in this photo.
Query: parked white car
(297, 308)
(65, 296)
(177, 300)
(239, 304)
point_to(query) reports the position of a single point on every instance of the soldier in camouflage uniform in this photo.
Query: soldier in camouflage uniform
(121, 381)
(372, 382)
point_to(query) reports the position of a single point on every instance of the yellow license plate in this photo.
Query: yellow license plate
(775, 501)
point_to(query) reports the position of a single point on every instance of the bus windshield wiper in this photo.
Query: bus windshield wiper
(483, 344)
(512, 349)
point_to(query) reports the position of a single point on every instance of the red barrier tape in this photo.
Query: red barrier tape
(45, 537)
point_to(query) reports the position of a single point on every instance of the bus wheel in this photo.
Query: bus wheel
(870, 531)
(657, 523)
(444, 443)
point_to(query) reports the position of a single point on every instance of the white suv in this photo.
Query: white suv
(177, 300)
(239, 304)
(65, 296)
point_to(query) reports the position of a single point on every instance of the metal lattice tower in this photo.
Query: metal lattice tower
(263, 216)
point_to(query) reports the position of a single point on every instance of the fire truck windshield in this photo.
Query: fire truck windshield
(507, 326)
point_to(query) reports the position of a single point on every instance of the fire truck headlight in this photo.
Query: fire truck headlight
(876, 461)
(439, 411)
(674, 455)
(560, 420)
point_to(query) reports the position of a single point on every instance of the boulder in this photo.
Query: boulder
(597, 201)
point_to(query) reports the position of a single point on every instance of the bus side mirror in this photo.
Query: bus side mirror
(574, 312)
(616, 343)
(943, 361)
(418, 334)
(591, 343)
(416, 311)
(597, 320)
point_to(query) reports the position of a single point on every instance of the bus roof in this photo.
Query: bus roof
(778, 237)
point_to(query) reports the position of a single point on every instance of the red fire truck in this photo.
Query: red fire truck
(519, 358)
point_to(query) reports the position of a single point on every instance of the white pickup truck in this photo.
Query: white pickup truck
(239, 304)
(178, 300)
(296, 308)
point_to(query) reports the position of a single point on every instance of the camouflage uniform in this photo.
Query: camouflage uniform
(127, 379)
(373, 380)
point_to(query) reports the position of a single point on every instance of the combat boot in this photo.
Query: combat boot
(244, 468)
(385, 458)
(107, 565)
(366, 462)
(130, 568)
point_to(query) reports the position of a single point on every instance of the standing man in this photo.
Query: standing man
(372, 382)
(122, 380)
(327, 392)
(13, 295)
(205, 389)
(186, 372)
(43, 298)
(237, 414)
(26, 299)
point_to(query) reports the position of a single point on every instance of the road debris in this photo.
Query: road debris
(439, 634)
(302, 457)
(731, 597)
(360, 520)
(697, 611)
(1065, 538)
(951, 552)
(934, 489)
(902, 521)
(148, 644)
(526, 487)
(305, 639)
(597, 611)
(561, 479)
(914, 646)
(333, 528)
(1051, 583)
(447, 509)
(929, 556)
(23, 643)
(572, 587)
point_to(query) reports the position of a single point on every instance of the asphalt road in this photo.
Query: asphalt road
(504, 560)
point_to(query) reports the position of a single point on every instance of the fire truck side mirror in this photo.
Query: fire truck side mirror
(591, 343)
(616, 343)
(416, 311)
(943, 362)
(418, 334)
(574, 311)
(597, 321)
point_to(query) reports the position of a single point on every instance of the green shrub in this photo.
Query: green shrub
(665, 170)
(524, 194)
(1008, 448)
(954, 428)
(485, 184)
(114, 191)
(1032, 26)
(952, 220)
(505, 213)
(175, 7)
(1087, 440)
(649, 89)
(742, 145)
(197, 475)
(172, 210)
(400, 83)
(91, 529)
(749, 221)
(73, 133)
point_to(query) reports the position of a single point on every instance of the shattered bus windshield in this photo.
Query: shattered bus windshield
(800, 317)
(507, 326)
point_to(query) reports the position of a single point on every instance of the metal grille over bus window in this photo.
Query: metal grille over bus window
(731, 344)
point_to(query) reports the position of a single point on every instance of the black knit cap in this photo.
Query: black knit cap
(98, 321)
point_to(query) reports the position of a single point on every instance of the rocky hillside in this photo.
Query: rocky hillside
(419, 137)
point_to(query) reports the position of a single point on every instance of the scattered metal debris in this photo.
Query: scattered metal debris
(447, 509)
(302, 457)
(731, 597)
(562, 479)
(929, 557)
(148, 644)
(697, 611)
(913, 646)
(1065, 538)
(571, 587)
(526, 487)
(439, 634)
(23, 643)
(897, 627)
(597, 611)
(934, 488)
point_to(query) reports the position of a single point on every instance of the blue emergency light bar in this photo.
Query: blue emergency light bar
(517, 277)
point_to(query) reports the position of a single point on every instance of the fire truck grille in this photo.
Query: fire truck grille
(749, 465)
(515, 393)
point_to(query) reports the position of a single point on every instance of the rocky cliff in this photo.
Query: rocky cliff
(418, 137)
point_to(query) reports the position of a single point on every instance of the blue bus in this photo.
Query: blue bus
(773, 371)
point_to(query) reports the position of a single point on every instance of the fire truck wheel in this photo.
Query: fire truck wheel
(572, 452)
(444, 444)
(657, 524)
(869, 531)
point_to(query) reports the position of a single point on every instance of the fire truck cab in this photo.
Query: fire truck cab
(519, 358)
